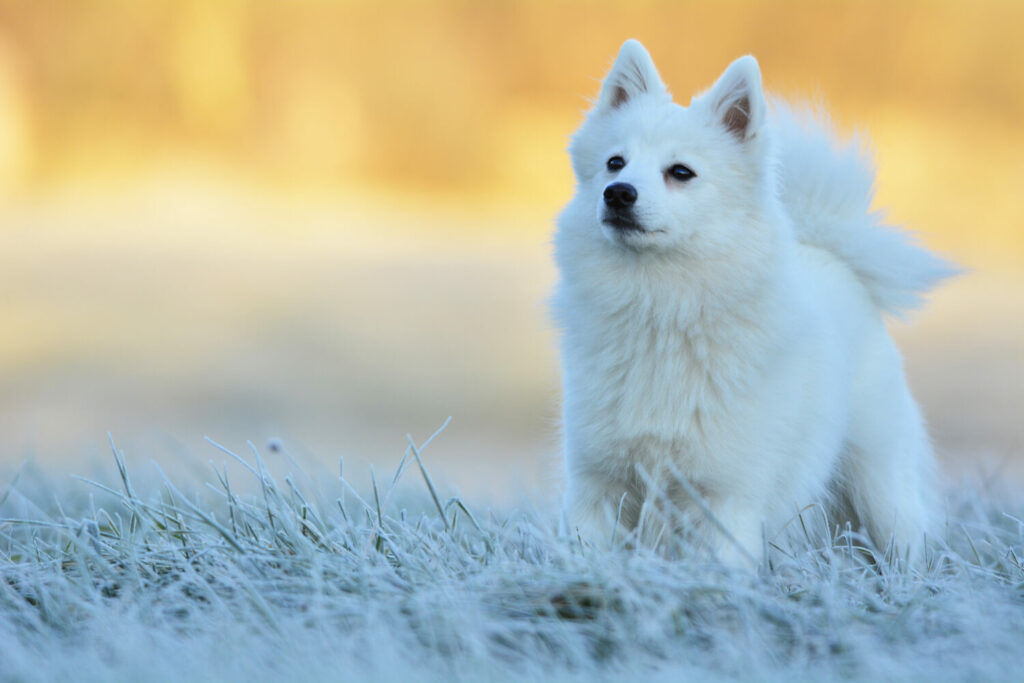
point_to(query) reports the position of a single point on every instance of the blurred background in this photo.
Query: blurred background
(328, 224)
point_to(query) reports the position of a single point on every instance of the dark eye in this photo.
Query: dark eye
(681, 173)
(616, 163)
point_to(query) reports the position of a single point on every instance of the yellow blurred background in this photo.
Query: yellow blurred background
(328, 222)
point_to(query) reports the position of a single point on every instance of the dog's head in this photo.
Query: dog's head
(662, 177)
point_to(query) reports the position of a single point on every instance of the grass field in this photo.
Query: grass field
(254, 577)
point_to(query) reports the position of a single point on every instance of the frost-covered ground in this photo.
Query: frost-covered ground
(287, 582)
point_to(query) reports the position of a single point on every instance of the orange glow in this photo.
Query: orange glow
(476, 100)
(241, 212)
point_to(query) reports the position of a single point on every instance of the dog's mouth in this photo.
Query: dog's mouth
(623, 223)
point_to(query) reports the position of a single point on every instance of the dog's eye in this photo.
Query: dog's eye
(616, 163)
(681, 173)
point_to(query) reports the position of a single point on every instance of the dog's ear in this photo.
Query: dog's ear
(632, 75)
(736, 98)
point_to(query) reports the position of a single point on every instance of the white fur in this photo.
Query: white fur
(737, 344)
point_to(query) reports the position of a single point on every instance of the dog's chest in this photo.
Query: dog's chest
(650, 376)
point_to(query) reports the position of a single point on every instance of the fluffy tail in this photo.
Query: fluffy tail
(826, 186)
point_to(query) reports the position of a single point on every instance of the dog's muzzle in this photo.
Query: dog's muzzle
(619, 199)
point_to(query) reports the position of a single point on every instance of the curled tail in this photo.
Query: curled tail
(827, 186)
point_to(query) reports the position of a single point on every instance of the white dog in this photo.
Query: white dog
(721, 292)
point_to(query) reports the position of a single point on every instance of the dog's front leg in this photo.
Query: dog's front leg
(736, 537)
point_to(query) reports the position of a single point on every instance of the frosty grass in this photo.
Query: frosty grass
(290, 582)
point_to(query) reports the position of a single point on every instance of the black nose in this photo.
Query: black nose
(620, 195)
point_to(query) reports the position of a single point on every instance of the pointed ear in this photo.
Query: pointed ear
(632, 75)
(736, 98)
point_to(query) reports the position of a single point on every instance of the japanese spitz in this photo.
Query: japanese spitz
(722, 286)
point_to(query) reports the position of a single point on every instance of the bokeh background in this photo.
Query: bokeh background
(328, 223)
